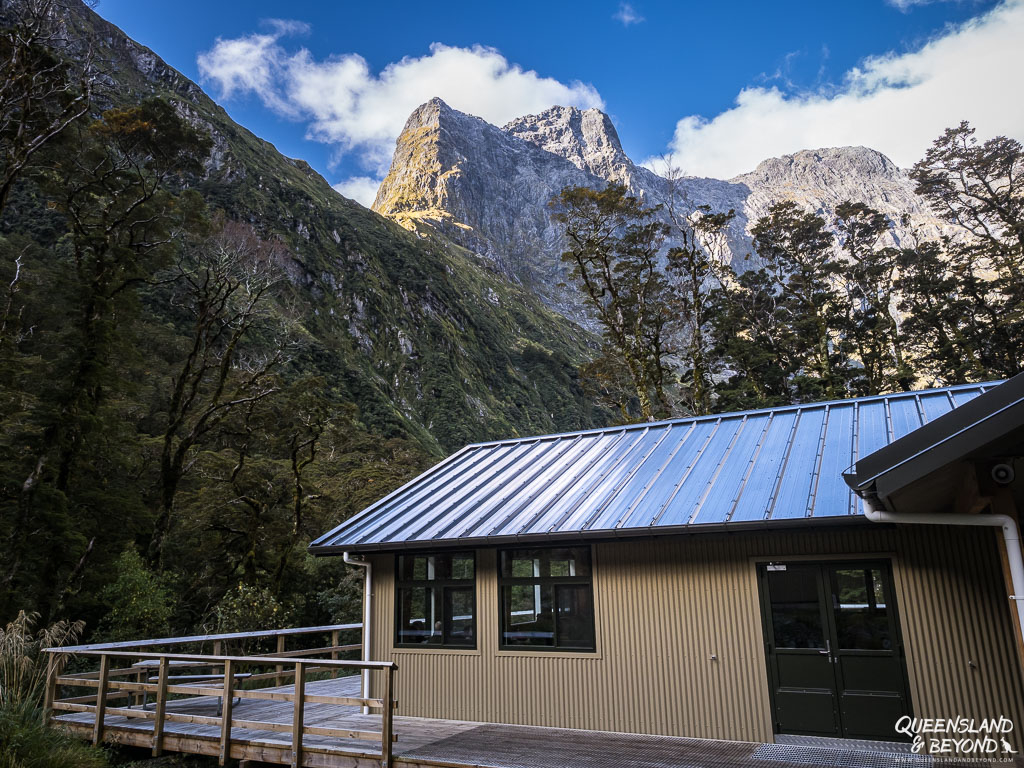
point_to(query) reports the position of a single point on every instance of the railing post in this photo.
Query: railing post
(161, 707)
(101, 700)
(225, 711)
(138, 697)
(300, 701)
(335, 642)
(387, 725)
(280, 667)
(51, 686)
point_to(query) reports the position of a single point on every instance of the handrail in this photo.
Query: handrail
(204, 638)
(217, 658)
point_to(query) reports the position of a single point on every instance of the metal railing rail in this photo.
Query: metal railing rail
(110, 685)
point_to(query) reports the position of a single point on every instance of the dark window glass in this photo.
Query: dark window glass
(458, 611)
(796, 611)
(862, 618)
(435, 601)
(575, 616)
(547, 599)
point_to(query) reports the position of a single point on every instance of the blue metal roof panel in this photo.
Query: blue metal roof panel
(961, 396)
(872, 427)
(758, 491)
(721, 495)
(655, 490)
(905, 415)
(796, 484)
(830, 496)
(935, 404)
(684, 504)
(767, 465)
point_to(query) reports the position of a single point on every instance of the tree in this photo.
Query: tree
(139, 603)
(114, 194)
(753, 339)
(979, 188)
(796, 249)
(869, 277)
(614, 243)
(221, 289)
(936, 322)
(696, 271)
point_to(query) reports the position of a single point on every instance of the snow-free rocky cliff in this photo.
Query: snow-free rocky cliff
(488, 188)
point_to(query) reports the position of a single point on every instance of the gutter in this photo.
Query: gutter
(1008, 526)
(362, 562)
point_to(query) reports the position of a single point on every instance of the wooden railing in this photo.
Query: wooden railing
(150, 676)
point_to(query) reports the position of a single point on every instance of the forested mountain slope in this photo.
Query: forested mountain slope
(134, 491)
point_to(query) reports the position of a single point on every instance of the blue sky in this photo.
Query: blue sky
(719, 85)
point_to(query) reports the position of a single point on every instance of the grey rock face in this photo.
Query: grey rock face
(488, 188)
(485, 189)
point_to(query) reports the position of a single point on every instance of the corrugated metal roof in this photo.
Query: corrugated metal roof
(749, 467)
(993, 424)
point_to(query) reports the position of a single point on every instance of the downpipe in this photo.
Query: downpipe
(361, 562)
(1008, 526)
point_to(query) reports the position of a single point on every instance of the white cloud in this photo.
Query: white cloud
(896, 103)
(358, 111)
(362, 189)
(293, 27)
(627, 15)
(906, 5)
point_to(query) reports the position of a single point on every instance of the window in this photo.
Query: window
(547, 599)
(435, 600)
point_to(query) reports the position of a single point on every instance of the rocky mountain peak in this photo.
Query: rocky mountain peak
(433, 113)
(488, 188)
(863, 163)
(586, 138)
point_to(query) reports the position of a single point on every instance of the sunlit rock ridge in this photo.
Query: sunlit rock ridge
(488, 188)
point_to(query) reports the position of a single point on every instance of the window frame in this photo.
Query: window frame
(555, 581)
(443, 585)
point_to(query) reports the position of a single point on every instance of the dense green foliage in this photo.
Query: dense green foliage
(208, 356)
(832, 308)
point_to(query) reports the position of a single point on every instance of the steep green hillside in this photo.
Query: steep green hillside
(424, 337)
(138, 490)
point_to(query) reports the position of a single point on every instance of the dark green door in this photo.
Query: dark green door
(835, 661)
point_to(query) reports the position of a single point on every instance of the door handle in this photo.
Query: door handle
(827, 650)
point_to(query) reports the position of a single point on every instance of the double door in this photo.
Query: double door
(835, 659)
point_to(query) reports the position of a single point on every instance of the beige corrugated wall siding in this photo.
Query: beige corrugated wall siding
(665, 606)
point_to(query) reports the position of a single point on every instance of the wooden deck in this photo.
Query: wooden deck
(270, 746)
(236, 707)
(424, 743)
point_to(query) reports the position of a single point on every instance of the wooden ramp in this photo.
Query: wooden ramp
(271, 746)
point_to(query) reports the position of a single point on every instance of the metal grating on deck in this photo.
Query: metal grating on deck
(520, 746)
(839, 758)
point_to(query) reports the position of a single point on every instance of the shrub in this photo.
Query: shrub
(140, 604)
(249, 608)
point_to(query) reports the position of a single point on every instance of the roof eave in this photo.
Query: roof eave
(479, 542)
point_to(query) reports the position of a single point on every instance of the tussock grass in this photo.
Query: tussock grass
(25, 740)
